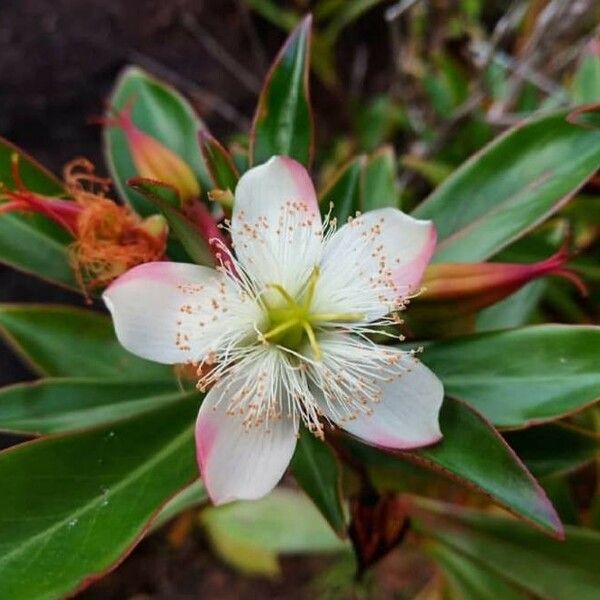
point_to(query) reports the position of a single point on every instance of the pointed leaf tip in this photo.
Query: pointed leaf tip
(283, 121)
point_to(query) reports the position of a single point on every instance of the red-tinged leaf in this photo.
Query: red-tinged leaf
(32, 243)
(555, 448)
(520, 556)
(283, 122)
(510, 186)
(521, 377)
(55, 405)
(74, 505)
(475, 455)
(219, 162)
(62, 341)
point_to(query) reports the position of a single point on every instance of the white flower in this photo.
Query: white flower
(280, 336)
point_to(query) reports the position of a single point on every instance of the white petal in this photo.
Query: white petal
(240, 464)
(401, 397)
(276, 224)
(370, 264)
(174, 312)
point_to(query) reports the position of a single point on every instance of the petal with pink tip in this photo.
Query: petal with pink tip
(373, 262)
(407, 413)
(174, 312)
(276, 223)
(238, 463)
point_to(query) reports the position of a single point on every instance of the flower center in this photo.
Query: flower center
(291, 323)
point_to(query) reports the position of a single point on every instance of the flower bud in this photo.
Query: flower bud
(108, 239)
(458, 289)
(153, 160)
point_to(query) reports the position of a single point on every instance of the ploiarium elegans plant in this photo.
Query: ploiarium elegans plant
(262, 332)
(280, 336)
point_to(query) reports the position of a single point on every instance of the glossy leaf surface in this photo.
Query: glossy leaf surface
(283, 123)
(510, 186)
(61, 341)
(57, 405)
(32, 243)
(316, 469)
(524, 376)
(546, 568)
(475, 455)
(73, 505)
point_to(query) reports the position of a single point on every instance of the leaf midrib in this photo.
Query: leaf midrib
(132, 476)
(160, 400)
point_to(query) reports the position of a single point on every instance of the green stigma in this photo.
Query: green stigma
(292, 324)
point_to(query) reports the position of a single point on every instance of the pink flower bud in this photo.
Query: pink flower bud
(153, 160)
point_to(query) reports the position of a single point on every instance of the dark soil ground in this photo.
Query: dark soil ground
(58, 61)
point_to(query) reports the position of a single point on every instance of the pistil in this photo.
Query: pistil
(292, 324)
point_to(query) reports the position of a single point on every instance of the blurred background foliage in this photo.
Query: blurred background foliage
(422, 84)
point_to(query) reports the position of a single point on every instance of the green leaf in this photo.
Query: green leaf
(239, 154)
(470, 580)
(554, 449)
(380, 187)
(521, 377)
(189, 497)
(316, 469)
(283, 123)
(586, 83)
(57, 405)
(514, 311)
(223, 172)
(510, 186)
(546, 568)
(475, 455)
(434, 172)
(32, 243)
(61, 341)
(344, 191)
(378, 121)
(250, 535)
(73, 505)
(165, 199)
(160, 111)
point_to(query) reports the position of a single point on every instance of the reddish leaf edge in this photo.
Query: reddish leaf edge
(305, 26)
(93, 577)
(555, 530)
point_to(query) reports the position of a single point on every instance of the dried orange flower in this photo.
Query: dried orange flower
(109, 238)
